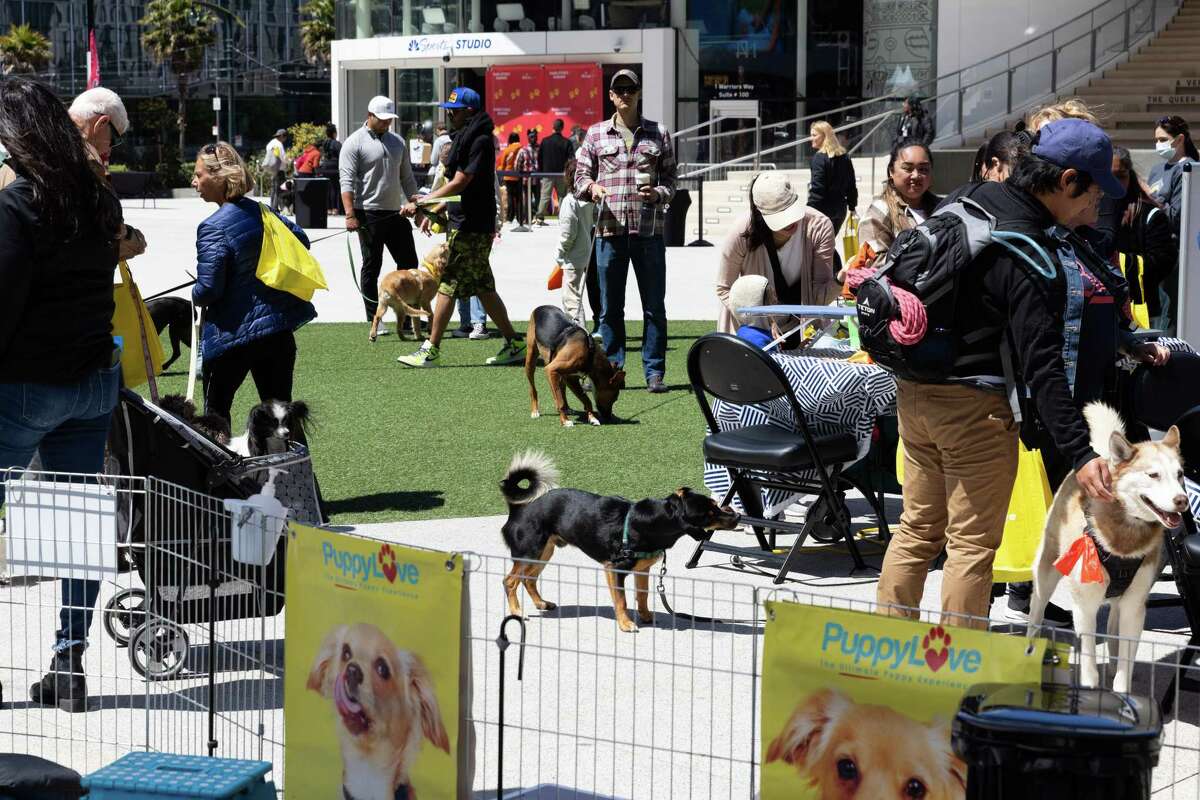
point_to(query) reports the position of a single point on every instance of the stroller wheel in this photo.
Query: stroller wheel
(158, 650)
(124, 612)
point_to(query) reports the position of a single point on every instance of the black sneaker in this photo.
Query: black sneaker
(64, 684)
(655, 385)
(1017, 610)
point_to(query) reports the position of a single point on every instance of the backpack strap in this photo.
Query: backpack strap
(1046, 270)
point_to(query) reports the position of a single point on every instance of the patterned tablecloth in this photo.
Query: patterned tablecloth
(837, 397)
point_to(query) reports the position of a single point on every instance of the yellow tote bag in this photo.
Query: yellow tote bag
(1027, 509)
(142, 356)
(1141, 311)
(850, 239)
(284, 262)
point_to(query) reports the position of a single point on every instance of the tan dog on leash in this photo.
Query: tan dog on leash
(410, 292)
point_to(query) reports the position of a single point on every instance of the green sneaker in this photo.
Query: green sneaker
(425, 357)
(512, 353)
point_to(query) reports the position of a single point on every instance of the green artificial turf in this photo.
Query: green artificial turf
(394, 443)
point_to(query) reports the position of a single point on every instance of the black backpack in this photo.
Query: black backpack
(928, 261)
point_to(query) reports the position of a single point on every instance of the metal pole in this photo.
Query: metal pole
(700, 241)
(503, 642)
(1009, 92)
(1093, 42)
(1053, 69)
(757, 139)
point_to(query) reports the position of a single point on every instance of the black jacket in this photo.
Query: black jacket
(832, 190)
(914, 126)
(554, 152)
(1001, 292)
(56, 298)
(1149, 235)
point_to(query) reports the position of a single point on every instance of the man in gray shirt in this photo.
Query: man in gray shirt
(377, 181)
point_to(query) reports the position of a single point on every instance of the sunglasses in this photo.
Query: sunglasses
(209, 150)
(114, 137)
(624, 90)
(1173, 121)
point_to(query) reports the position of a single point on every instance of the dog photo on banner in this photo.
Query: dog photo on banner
(858, 705)
(371, 687)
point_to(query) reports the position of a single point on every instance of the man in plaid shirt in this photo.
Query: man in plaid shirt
(627, 167)
(527, 161)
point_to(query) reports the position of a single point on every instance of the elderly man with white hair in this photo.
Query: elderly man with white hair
(102, 120)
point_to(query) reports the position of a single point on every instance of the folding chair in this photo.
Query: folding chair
(1183, 551)
(760, 456)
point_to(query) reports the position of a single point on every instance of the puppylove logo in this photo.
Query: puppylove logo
(368, 569)
(933, 651)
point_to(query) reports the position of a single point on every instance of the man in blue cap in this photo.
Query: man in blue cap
(960, 436)
(468, 272)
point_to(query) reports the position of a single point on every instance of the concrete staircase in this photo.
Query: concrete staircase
(1161, 78)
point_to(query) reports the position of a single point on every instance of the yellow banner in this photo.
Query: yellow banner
(860, 705)
(371, 694)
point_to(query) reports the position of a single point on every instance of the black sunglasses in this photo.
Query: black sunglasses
(114, 137)
(209, 150)
(625, 89)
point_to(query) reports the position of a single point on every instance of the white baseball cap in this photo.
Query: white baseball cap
(382, 107)
(777, 200)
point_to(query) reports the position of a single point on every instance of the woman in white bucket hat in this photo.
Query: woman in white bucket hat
(778, 223)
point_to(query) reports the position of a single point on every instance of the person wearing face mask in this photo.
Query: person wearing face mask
(905, 202)
(960, 436)
(1146, 231)
(1173, 143)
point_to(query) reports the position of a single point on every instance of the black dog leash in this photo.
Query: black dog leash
(666, 604)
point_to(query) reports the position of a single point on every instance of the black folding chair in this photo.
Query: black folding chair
(1183, 550)
(761, 456)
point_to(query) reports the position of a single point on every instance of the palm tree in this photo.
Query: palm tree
(24, 50)
(316, 30)
(177, 32)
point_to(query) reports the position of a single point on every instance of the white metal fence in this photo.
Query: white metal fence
(669, 712)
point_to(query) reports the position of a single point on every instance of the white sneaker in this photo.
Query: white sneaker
(478, 331)
(382, 331)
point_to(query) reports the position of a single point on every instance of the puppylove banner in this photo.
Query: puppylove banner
(860, 705)
(371, 678)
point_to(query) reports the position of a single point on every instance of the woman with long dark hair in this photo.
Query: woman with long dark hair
(59, 365)
(1145, 231)
(996, 156)
(785, 241)
(1173, 143)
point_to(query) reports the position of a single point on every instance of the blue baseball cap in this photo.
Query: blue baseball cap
(462, 97)
(1078, 144)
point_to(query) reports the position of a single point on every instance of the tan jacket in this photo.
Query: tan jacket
(7, 175)
(815, 252)
(876, 229)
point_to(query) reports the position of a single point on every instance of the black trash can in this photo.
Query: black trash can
(675, 227)
(1055, 742)
(311, 196)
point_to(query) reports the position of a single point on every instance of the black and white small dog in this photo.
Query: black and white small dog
(175, 315)
(271, 425)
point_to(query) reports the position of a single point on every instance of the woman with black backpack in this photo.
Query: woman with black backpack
(331, 149)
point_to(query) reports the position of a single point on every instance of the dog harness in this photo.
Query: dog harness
(1097, 562)
(402, 793)
(561, 339)
(638, 554)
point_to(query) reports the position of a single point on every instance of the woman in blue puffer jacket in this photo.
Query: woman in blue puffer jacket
(248, 326)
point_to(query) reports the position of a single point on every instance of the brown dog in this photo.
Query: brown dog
(410, 292)
(385, 705)
(568, 350)
(844, 750)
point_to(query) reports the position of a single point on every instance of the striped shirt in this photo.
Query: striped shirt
(605, 159)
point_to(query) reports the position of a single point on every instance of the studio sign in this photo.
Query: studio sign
(435, 45)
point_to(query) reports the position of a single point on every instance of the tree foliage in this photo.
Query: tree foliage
(176, 33)
(317, 30)
(24, 50)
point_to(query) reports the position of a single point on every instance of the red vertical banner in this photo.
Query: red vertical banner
(524, 96)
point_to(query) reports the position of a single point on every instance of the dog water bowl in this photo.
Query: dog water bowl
(1033, 741)
(258, 522)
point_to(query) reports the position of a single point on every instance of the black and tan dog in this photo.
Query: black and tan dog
(622, 535)
(568, 350)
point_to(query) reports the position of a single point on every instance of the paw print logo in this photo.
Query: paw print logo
(413, 46)
(937, 647)
(387, 562)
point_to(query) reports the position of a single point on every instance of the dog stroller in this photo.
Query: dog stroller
(178, 535)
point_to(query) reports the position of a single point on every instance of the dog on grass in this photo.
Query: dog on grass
(410, 292)
(386, 705)
(622, 535)
(850, 750)
(568, 351)
(1110, 552)
(175, 315)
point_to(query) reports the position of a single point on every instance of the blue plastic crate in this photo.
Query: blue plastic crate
(161, 776)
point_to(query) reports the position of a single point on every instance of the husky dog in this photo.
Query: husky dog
(1110, 552)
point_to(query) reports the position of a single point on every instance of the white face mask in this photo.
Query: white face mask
(1164, 149)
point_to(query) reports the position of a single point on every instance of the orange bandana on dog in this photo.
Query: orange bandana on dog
(1082, 548)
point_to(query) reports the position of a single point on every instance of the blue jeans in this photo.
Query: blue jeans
(68, 423)
(649, 256)
(470, 309)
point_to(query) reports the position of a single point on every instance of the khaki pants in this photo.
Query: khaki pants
(960, 462)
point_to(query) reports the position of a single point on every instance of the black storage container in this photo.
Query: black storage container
(311, 196)
(675, 227)
(1056, 742)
